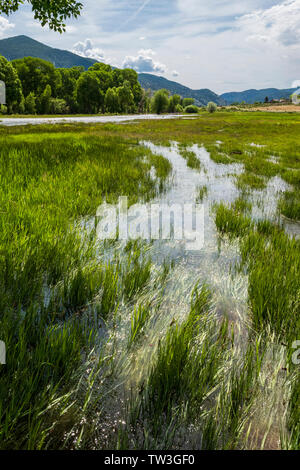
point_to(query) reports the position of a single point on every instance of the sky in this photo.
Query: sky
(223, 45)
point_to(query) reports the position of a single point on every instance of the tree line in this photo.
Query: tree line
(36, 86)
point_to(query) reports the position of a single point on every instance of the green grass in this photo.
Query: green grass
(48, 185)
(289, 205)
(77, 314)
(248, 180)
(202, 193)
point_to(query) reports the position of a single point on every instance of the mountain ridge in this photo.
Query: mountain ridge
(252, 95)
(17, 47)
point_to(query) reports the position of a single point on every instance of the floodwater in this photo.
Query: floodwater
(86, 119)
(213, 265)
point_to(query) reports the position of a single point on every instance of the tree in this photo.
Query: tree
(187, 102)
(111, 102)
(211, 107)
(191, 109)
(88, 93)
(266, 99)
(160, 101)
(67, 89)
(30, 104)
(35, 74)
(58, 106)
(174, 101)
(126, 99)
(47, 12)
(13, 86)
(44, 101)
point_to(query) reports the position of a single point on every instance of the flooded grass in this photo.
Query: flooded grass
(145, 345)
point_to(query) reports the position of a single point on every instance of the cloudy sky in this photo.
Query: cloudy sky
(224, 45)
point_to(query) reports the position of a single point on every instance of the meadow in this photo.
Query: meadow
(108, 348)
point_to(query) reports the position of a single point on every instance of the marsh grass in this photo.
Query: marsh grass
(202, 193)
(67, 303)
(52, 275)
(289, 205)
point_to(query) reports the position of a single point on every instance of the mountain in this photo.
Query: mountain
(252, 96)
(22, 46)
(202, 97)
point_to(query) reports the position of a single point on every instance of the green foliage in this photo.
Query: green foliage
(44, 101)
(191, 109)
(160, 102)
(111, 101)
(46, 12)
(88, 93)
(211, 107)
(35, 74)
(187, 102)
(30, 103)
(289, 204)
(174, 102)
(9, 76)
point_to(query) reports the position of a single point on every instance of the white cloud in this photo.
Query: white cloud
(144, 62)
(175, 73)
(5, 25)
(86, 49)
(275, 26)
(296, 84)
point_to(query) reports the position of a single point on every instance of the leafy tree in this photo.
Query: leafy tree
(160, 101)
(88, 93)
(13, 86)
(44, 101)
(191, 109)
(211, 107)
(266, 99)
(30, 104)
(126, 98)
(58, 106)
(179, 108)
(111, 102)
(53, 13)
(144, 104)
(35, 74)
(174, 101)
(67, 89)
(187, 102)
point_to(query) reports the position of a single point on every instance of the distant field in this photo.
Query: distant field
(141, 344)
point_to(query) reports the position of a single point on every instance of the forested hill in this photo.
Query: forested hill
(202, 97)
(23, 46)
(19, 47)
(252, 96)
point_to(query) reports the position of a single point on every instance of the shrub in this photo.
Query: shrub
(192, 109)
(211, 107)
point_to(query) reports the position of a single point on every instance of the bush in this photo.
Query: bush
(58, 106)
(160, 102)
(191, 109)
(211, 107)
(179, 108)
(30, 104)
(188, 102)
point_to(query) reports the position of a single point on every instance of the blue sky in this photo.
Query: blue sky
(224, 45)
